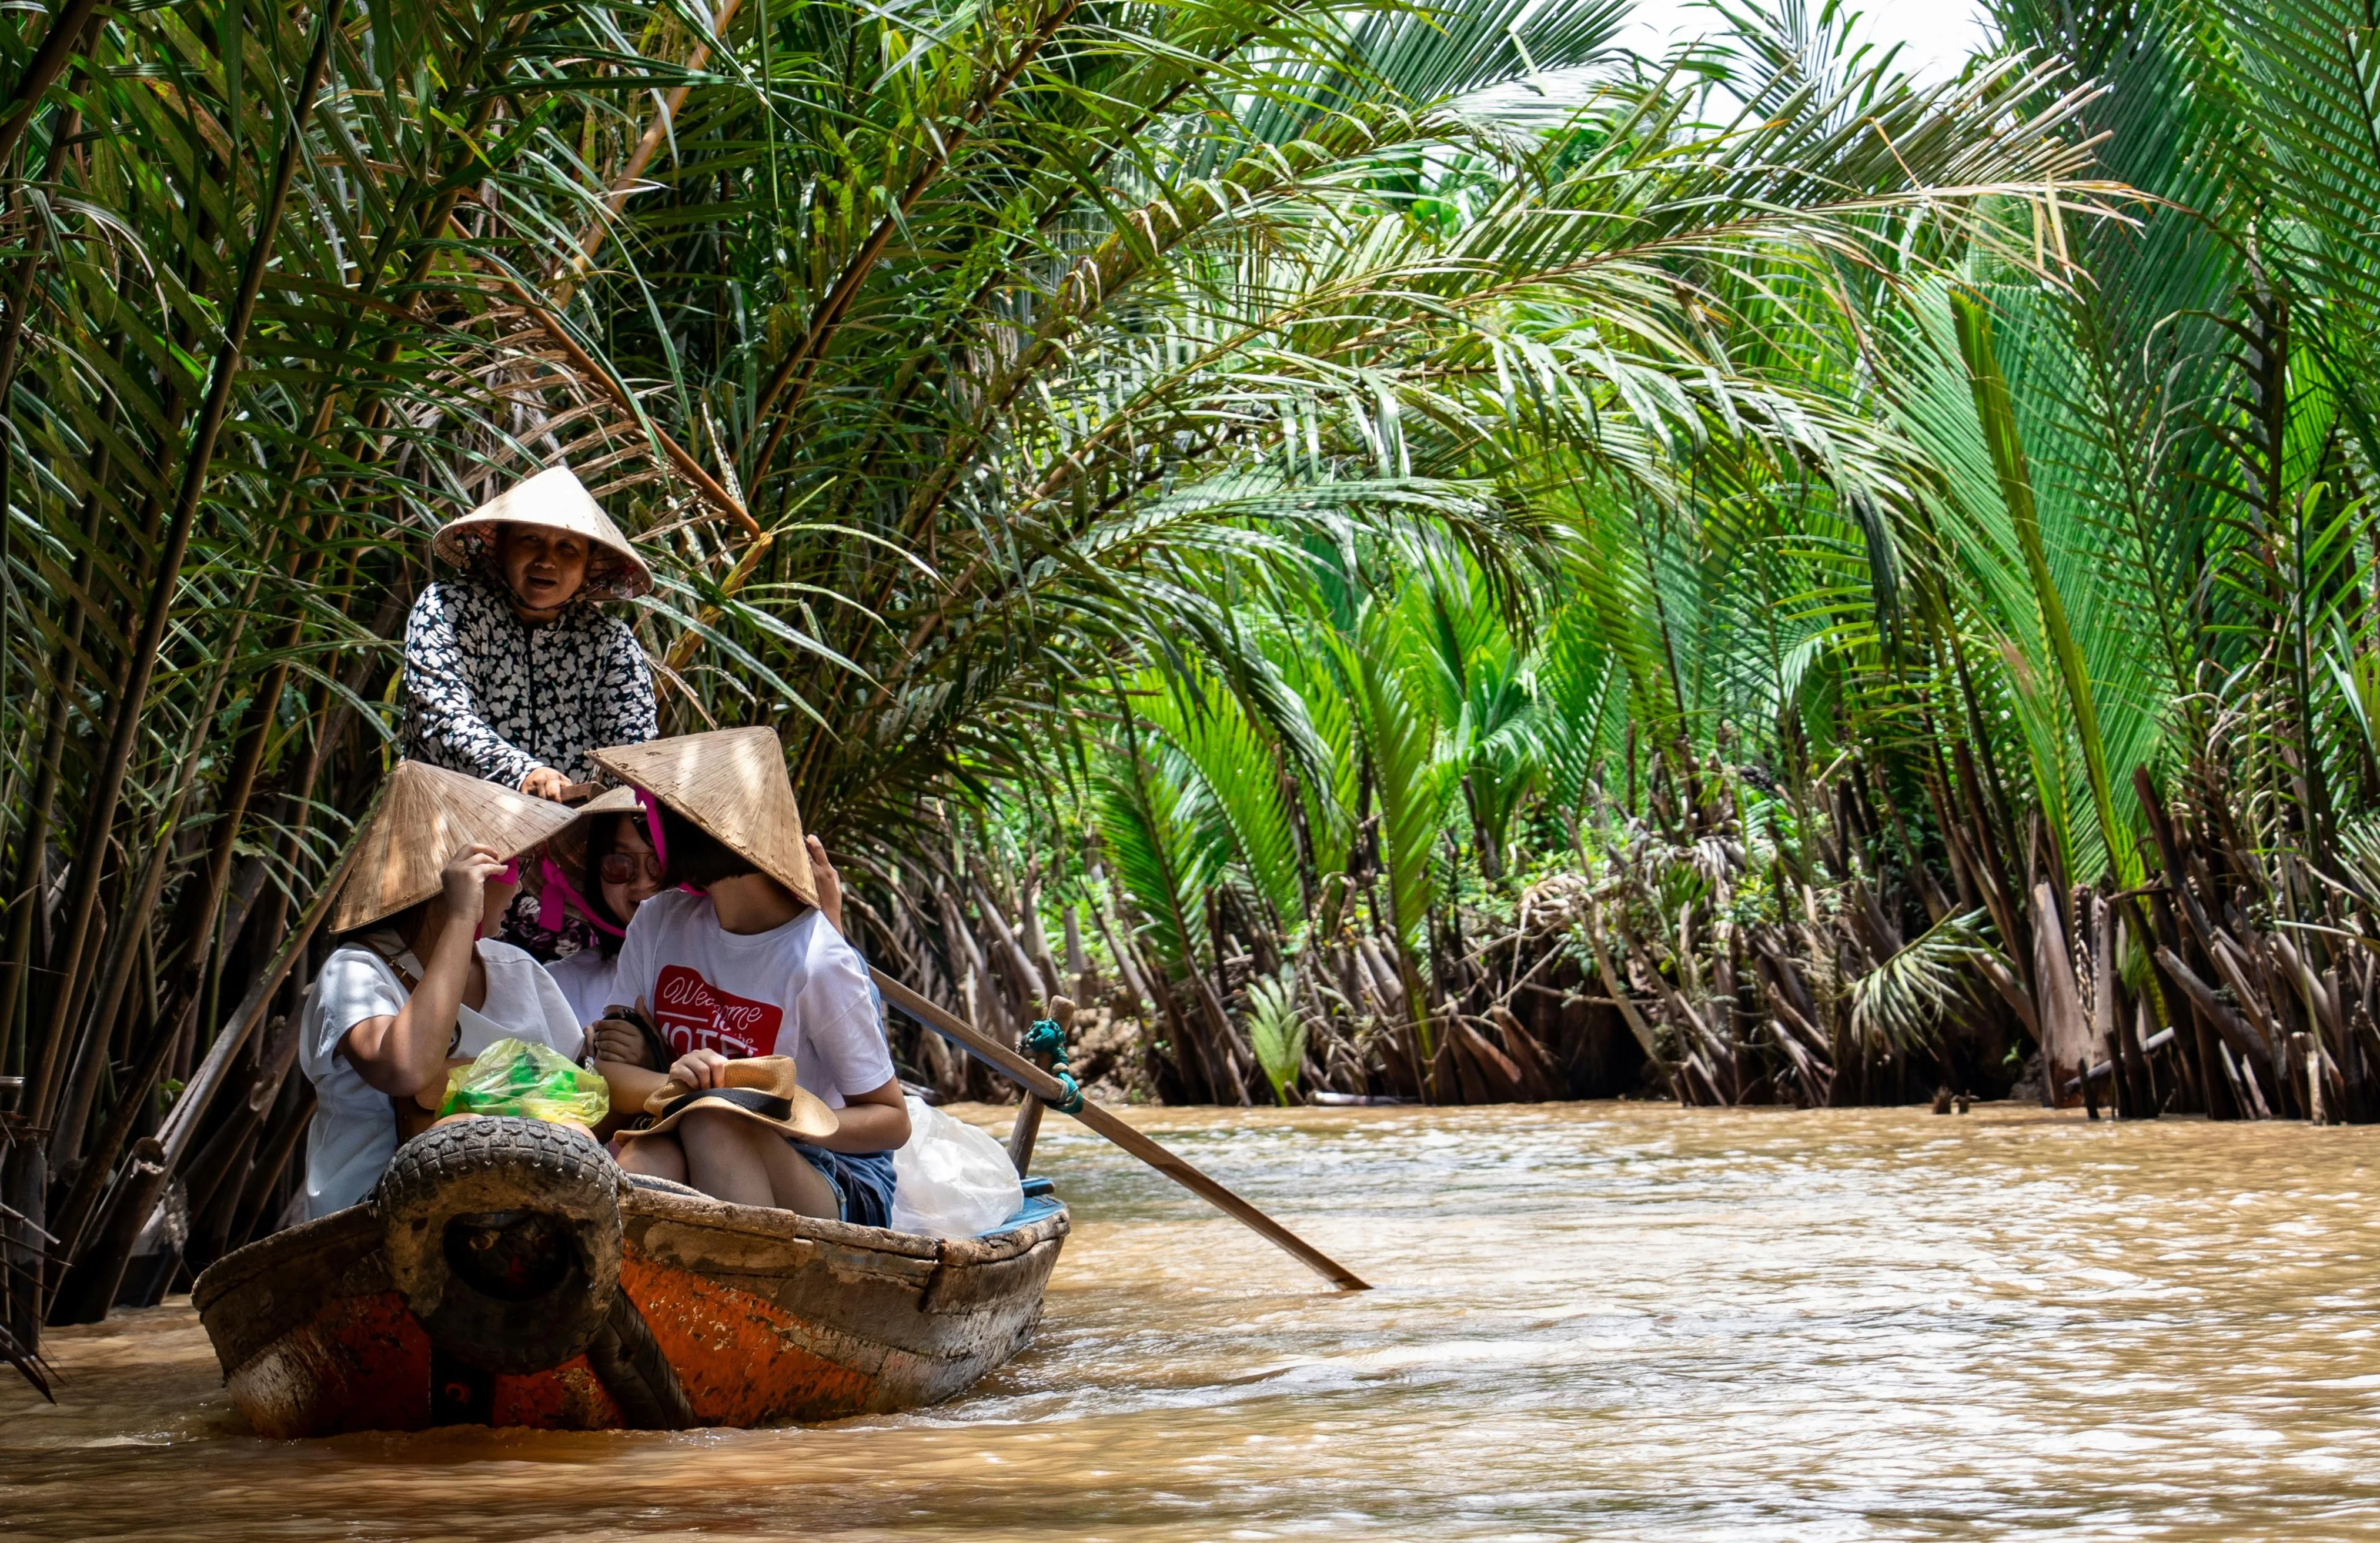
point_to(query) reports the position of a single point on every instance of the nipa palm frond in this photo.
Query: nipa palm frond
(1900, 1002)
(1277, 1032)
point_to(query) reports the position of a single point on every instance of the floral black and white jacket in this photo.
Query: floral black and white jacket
(494, 696)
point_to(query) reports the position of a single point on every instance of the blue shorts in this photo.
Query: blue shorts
(862, 1182)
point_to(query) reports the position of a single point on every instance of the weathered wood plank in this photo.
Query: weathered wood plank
(765, 1315)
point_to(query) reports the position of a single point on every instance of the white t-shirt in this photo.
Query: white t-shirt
(798, 990)
(586, 980)
(354, 1133)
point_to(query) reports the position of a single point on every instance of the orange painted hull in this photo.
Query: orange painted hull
(766, 1318)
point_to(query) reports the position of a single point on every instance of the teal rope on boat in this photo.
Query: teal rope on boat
(1044, 1038)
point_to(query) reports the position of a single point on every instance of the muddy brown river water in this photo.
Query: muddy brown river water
(1600, 1320)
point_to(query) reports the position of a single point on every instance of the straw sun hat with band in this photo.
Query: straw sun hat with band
(731, 783)
(426, 818)
(556, 500)
(761, 1089)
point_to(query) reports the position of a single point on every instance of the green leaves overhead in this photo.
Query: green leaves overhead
(952, 360)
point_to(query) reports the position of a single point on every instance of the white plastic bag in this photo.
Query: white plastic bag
(951, 1180)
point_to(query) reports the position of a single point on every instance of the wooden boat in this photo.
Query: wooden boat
(507, 1273)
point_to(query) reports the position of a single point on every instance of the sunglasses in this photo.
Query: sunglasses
(620, 867)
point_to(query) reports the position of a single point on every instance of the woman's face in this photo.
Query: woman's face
(629, 872)
(544, 569)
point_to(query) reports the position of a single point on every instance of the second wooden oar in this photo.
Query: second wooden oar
(1053, 1092)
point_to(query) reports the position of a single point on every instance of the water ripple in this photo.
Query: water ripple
(1608, 1321)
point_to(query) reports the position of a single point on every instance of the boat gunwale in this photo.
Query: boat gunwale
(244, 1263)
(324, 1233)
(774, 1224)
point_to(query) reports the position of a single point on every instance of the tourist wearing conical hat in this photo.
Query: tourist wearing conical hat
(599, 871)
(413, 986)
(512, 672)
(746, 969)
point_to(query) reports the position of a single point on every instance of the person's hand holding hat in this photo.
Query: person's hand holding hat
(697, 1069)
(462, 884)
(759, 1088)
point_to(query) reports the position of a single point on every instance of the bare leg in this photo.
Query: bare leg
(797, 1185)
(745, 1163)
(656, 1157)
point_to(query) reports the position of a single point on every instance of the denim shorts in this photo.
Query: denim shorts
(862, 1182)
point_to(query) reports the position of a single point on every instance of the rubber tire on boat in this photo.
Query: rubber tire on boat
(503, 1172)
(637, 1372)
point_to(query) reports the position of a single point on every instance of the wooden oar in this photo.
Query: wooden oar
(1053, 1093)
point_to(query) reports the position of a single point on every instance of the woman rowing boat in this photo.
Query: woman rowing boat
(513, 673)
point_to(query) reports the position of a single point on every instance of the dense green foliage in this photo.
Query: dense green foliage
(1860, 731)
(1582, 573)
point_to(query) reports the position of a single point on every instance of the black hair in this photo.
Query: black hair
(696, 856)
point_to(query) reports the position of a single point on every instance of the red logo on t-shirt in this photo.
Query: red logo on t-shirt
(693, 1015)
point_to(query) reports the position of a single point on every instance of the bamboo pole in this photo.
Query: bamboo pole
(141, 667)
(1032, 1080)
(90, 1288)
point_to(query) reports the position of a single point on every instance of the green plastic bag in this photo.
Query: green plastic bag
(512, 1077)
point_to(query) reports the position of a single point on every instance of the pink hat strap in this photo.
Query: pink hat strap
(555, 889)
(652, 808)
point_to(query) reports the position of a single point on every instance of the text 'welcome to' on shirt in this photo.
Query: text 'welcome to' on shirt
(799, 990)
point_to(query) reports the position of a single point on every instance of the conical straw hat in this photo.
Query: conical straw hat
(573, 837)
(732, 784)
(556, 499)
(426, 816)
(611, 800)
